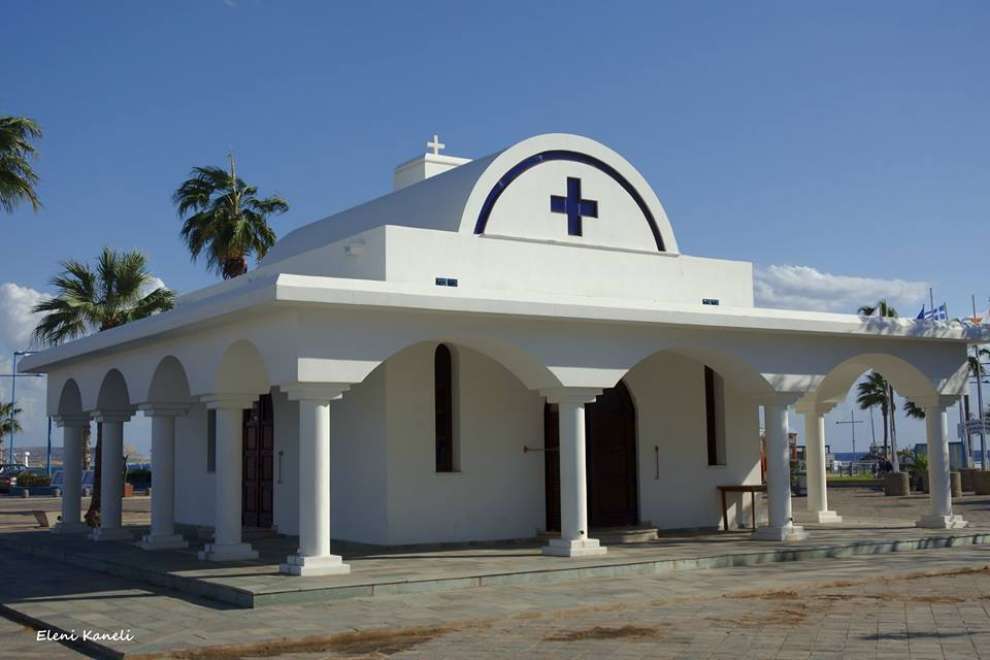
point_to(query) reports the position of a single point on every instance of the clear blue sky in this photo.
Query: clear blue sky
(848, 137)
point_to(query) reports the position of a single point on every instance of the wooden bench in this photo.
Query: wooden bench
(751, 489)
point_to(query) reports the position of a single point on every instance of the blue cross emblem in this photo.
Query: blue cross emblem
(575, 207)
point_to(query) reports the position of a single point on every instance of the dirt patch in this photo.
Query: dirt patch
(601, 632)
(787, 594)
(888, 597)
(789, 615)
(358, 643)
(985, 570)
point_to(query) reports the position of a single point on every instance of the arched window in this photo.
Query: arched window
(715, 416)
(443, 401)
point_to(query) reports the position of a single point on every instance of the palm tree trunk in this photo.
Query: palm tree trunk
(883, 412)
(893, 431)
(93, 513)
(86, 440)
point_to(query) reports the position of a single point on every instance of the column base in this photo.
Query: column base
(827, 517)
(786, 534)
(227, 552)
(574, 548)
(933, 521)
(111, 534)
(309, 566)
(162, 542)
(71, 528)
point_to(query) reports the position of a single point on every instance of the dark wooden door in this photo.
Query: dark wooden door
(259, 464)
(610, 425)
(551, 465)
(610, 455)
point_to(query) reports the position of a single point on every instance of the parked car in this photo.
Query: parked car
(8, 475)
(86, 486)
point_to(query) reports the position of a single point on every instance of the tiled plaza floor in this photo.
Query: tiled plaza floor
(856, 607)
(851, 608)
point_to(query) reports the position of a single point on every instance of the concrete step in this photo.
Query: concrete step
(644, 533)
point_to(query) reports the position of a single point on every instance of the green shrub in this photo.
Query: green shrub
(139, 476)
(33, 479)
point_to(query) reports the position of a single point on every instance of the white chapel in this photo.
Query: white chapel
(497, 349)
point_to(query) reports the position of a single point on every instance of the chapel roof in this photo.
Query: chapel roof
(468, 197)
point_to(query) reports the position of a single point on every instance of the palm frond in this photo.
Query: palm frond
(17, 176)
(224, 221)
(99, 299)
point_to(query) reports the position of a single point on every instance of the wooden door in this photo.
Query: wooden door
(610, 457)
(610, 424)
(551, 465)
(259, 464)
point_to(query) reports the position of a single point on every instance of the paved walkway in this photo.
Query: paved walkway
(382, 572)
(862, 607)
(855, 607)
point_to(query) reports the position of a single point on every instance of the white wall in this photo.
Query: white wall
(498, 492)
(285, 497)
(491, 263)
(358, 485)
(669, 392)
(194, 486)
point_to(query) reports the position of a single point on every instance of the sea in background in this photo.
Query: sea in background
(848, 456)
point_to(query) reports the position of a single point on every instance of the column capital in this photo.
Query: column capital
(104, 415)
(77, 421)
(782, 399)
(812, 407)
(314, 391)
(229, 401)
(937, 403)
(164, 409)
(572, 394)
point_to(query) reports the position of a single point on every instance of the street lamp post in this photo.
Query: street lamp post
(13, 398)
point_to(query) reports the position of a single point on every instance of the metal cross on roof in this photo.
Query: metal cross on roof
(574, 206)
(436, 145)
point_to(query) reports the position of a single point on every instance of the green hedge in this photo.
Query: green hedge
(31, 479)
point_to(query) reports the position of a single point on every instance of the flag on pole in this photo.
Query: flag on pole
(939, 313)
(921, 314)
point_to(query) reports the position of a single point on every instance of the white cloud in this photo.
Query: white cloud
(803, 287)
(151, 285)
(17, 323)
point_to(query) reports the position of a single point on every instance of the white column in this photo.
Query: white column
(163, 536)
(111, 476)
(313, 555)
(227, 545)
(814, 443)
(574, 539)
(782, 527)
(939, 486)
(72, 452)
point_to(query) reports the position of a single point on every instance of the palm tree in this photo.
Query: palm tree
(228, 222)
(8, 422)
(17, 177)
(911, 409)
(873, 392)
(886, 311)
(90, 300)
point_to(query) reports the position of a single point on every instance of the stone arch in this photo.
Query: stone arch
(69, 400)
(907, 380)
(733, 368)
(169, 383)
(527, 368)
(241, 370)
(113, 394)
